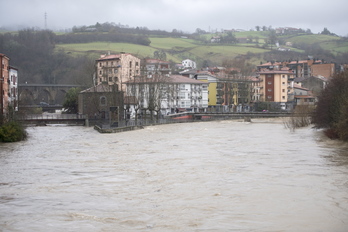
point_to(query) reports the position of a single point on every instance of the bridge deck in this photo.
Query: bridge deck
(53, 119)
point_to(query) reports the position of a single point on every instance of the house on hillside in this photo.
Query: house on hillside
(189, 64)
(215, 39)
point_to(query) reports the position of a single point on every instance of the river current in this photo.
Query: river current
(204, 176)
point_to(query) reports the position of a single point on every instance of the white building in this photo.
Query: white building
(13, 88)
(189, 64)
(170, 94)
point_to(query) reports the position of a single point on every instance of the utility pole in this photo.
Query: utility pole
(45, 20)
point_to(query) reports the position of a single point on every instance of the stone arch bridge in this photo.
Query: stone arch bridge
(34, 94)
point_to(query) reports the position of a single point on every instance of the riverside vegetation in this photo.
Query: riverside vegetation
(12, 132)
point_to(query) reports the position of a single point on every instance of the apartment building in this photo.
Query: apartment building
(276, 84)
(116, 69)
(305, 68)
(4, 85)
(13, 88)
(169, 94)
(156, 67)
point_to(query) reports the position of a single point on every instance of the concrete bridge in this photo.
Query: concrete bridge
(44, 119)
(33, 94)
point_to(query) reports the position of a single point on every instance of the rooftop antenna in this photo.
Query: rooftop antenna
(45, 21)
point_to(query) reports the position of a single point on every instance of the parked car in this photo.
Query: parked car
(44, 104)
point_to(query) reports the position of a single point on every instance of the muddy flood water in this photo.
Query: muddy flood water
(205, 176)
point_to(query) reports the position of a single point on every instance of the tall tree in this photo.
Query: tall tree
(332, 107)
(71, 101)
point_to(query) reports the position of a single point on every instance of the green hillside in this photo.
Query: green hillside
(178, 49)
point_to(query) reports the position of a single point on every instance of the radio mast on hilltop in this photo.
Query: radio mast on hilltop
(45, 21)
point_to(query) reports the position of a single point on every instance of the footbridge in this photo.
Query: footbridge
(44, 119)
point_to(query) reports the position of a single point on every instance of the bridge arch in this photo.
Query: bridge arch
(31, 94)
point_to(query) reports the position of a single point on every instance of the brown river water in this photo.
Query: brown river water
(204, 176)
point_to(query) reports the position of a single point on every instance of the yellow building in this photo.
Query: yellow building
(212, 87)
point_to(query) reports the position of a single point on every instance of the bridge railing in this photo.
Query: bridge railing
(52, 117)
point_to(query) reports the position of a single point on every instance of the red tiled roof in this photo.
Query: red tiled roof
(282, 71)
(156, 61)
(270, 64)
(112, 57)
(170, 79)
(300, 87)
(183, 79)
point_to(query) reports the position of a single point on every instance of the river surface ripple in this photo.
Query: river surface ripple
(209, 176)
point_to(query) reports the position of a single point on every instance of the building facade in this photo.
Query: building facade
(116, 69)
(276, 85)
(169, 94)
(156, 67)
(4, 85)
(101, 102)
(190, 64)
(306, 68)
(13, 88)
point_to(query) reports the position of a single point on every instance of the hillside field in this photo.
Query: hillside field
(178, 49)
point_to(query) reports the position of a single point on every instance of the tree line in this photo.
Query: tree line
(102, 37)
(33, 53)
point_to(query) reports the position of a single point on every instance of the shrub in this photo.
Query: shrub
(12, 132)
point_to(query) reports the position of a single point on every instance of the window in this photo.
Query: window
(110, 79)
(283, 76)
(269, 90)
(115, 70)
(283, 90)
(283, 83)
(270, 82)
(102, 101)
(283, 97)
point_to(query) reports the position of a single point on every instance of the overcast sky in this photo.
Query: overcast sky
(184, 15)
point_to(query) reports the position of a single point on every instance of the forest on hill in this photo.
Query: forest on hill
(43, 56)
